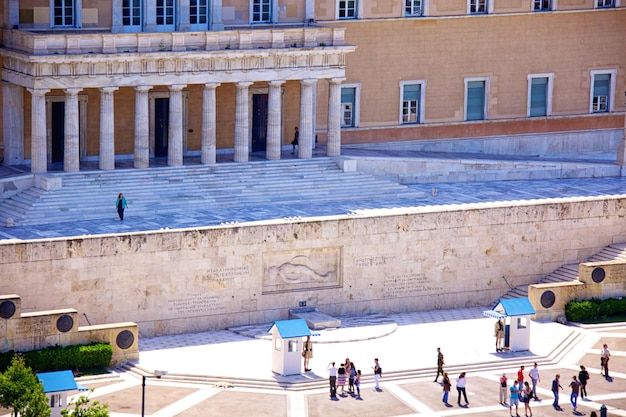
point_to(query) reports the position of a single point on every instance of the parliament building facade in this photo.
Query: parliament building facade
(111, 80)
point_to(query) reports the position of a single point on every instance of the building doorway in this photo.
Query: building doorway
(161, 126)
(259, 122)
(57, 131)
(55, 127)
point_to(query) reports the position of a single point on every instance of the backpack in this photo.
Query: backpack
(379, 371)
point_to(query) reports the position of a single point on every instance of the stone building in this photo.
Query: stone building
(105, 80)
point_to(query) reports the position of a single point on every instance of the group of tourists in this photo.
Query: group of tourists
(347, 372)
(524, 390)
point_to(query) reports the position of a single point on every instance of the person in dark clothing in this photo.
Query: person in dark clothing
(121, 205)
(294, 142)
(583, 377)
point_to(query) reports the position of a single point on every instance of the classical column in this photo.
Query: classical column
(333, 142)
(207, 155)
(71, 159)
(175, 128)
(107, 128)
(13, 123)
(241, 122)
(274, 120)
(142, 125)
(305, 140)
(38, 147)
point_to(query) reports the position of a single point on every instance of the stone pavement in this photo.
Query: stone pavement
(406, 345)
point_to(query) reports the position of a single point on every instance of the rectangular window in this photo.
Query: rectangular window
(413, 8)
(601, 89)
(199, 12)
(538, 97)
(542, 5)
(605, 3)
(348, 101)
(131, 12)
(347, 9)
(261, 11)
(475, 106)
(411, 94)
(64, 13)
(478, 6)
(165, 12)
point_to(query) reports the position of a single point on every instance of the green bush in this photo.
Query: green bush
(595, 309)
(57, 358)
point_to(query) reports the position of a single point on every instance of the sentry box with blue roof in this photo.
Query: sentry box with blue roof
(516, 314)
(56, 386)
(287, 345)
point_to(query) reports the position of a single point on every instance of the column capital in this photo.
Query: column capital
(276, 83)
(108, 90)
(244, 84)
(73, 91)
(336, 80)
(39, 92)
(209, 86)
(143, 88)
(176, 87)
(308, 81)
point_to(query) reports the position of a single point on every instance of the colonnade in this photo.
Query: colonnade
(141, 155)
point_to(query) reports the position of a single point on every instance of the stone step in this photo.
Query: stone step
(91, 195)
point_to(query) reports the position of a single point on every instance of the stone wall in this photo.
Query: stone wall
(397, 260)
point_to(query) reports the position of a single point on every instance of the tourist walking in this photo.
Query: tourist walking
(503, 389)
(514, 399)
(556, 386)
(575, 386)
(499, 334)
(378, 371)
(583, 377)
(527, 394)
(332, 379)
(307, 353)
(440, 364)
(121, 205)
(461, 382)
(534, 377)
(446, 388)
(605, 355)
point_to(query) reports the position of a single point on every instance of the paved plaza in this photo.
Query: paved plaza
(406, 345)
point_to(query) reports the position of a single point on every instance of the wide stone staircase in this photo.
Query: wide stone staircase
(90, 195)
(569, 272)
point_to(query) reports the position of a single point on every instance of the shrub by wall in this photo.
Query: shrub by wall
(595, 309)
(57, 358)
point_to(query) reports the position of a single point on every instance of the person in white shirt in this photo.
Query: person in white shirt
(534, 377)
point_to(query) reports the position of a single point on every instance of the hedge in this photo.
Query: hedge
(595, 309)
(57, 358)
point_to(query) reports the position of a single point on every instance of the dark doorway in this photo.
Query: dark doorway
(259, 122)
(57, 124)
(161, 126)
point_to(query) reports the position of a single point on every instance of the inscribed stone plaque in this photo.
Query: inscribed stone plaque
(409, 285)
(301, 270)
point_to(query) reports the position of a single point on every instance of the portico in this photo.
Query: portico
(32, 77)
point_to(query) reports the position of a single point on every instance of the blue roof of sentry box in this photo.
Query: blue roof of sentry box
(59, 381)
(291, 328)
(511, 307)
